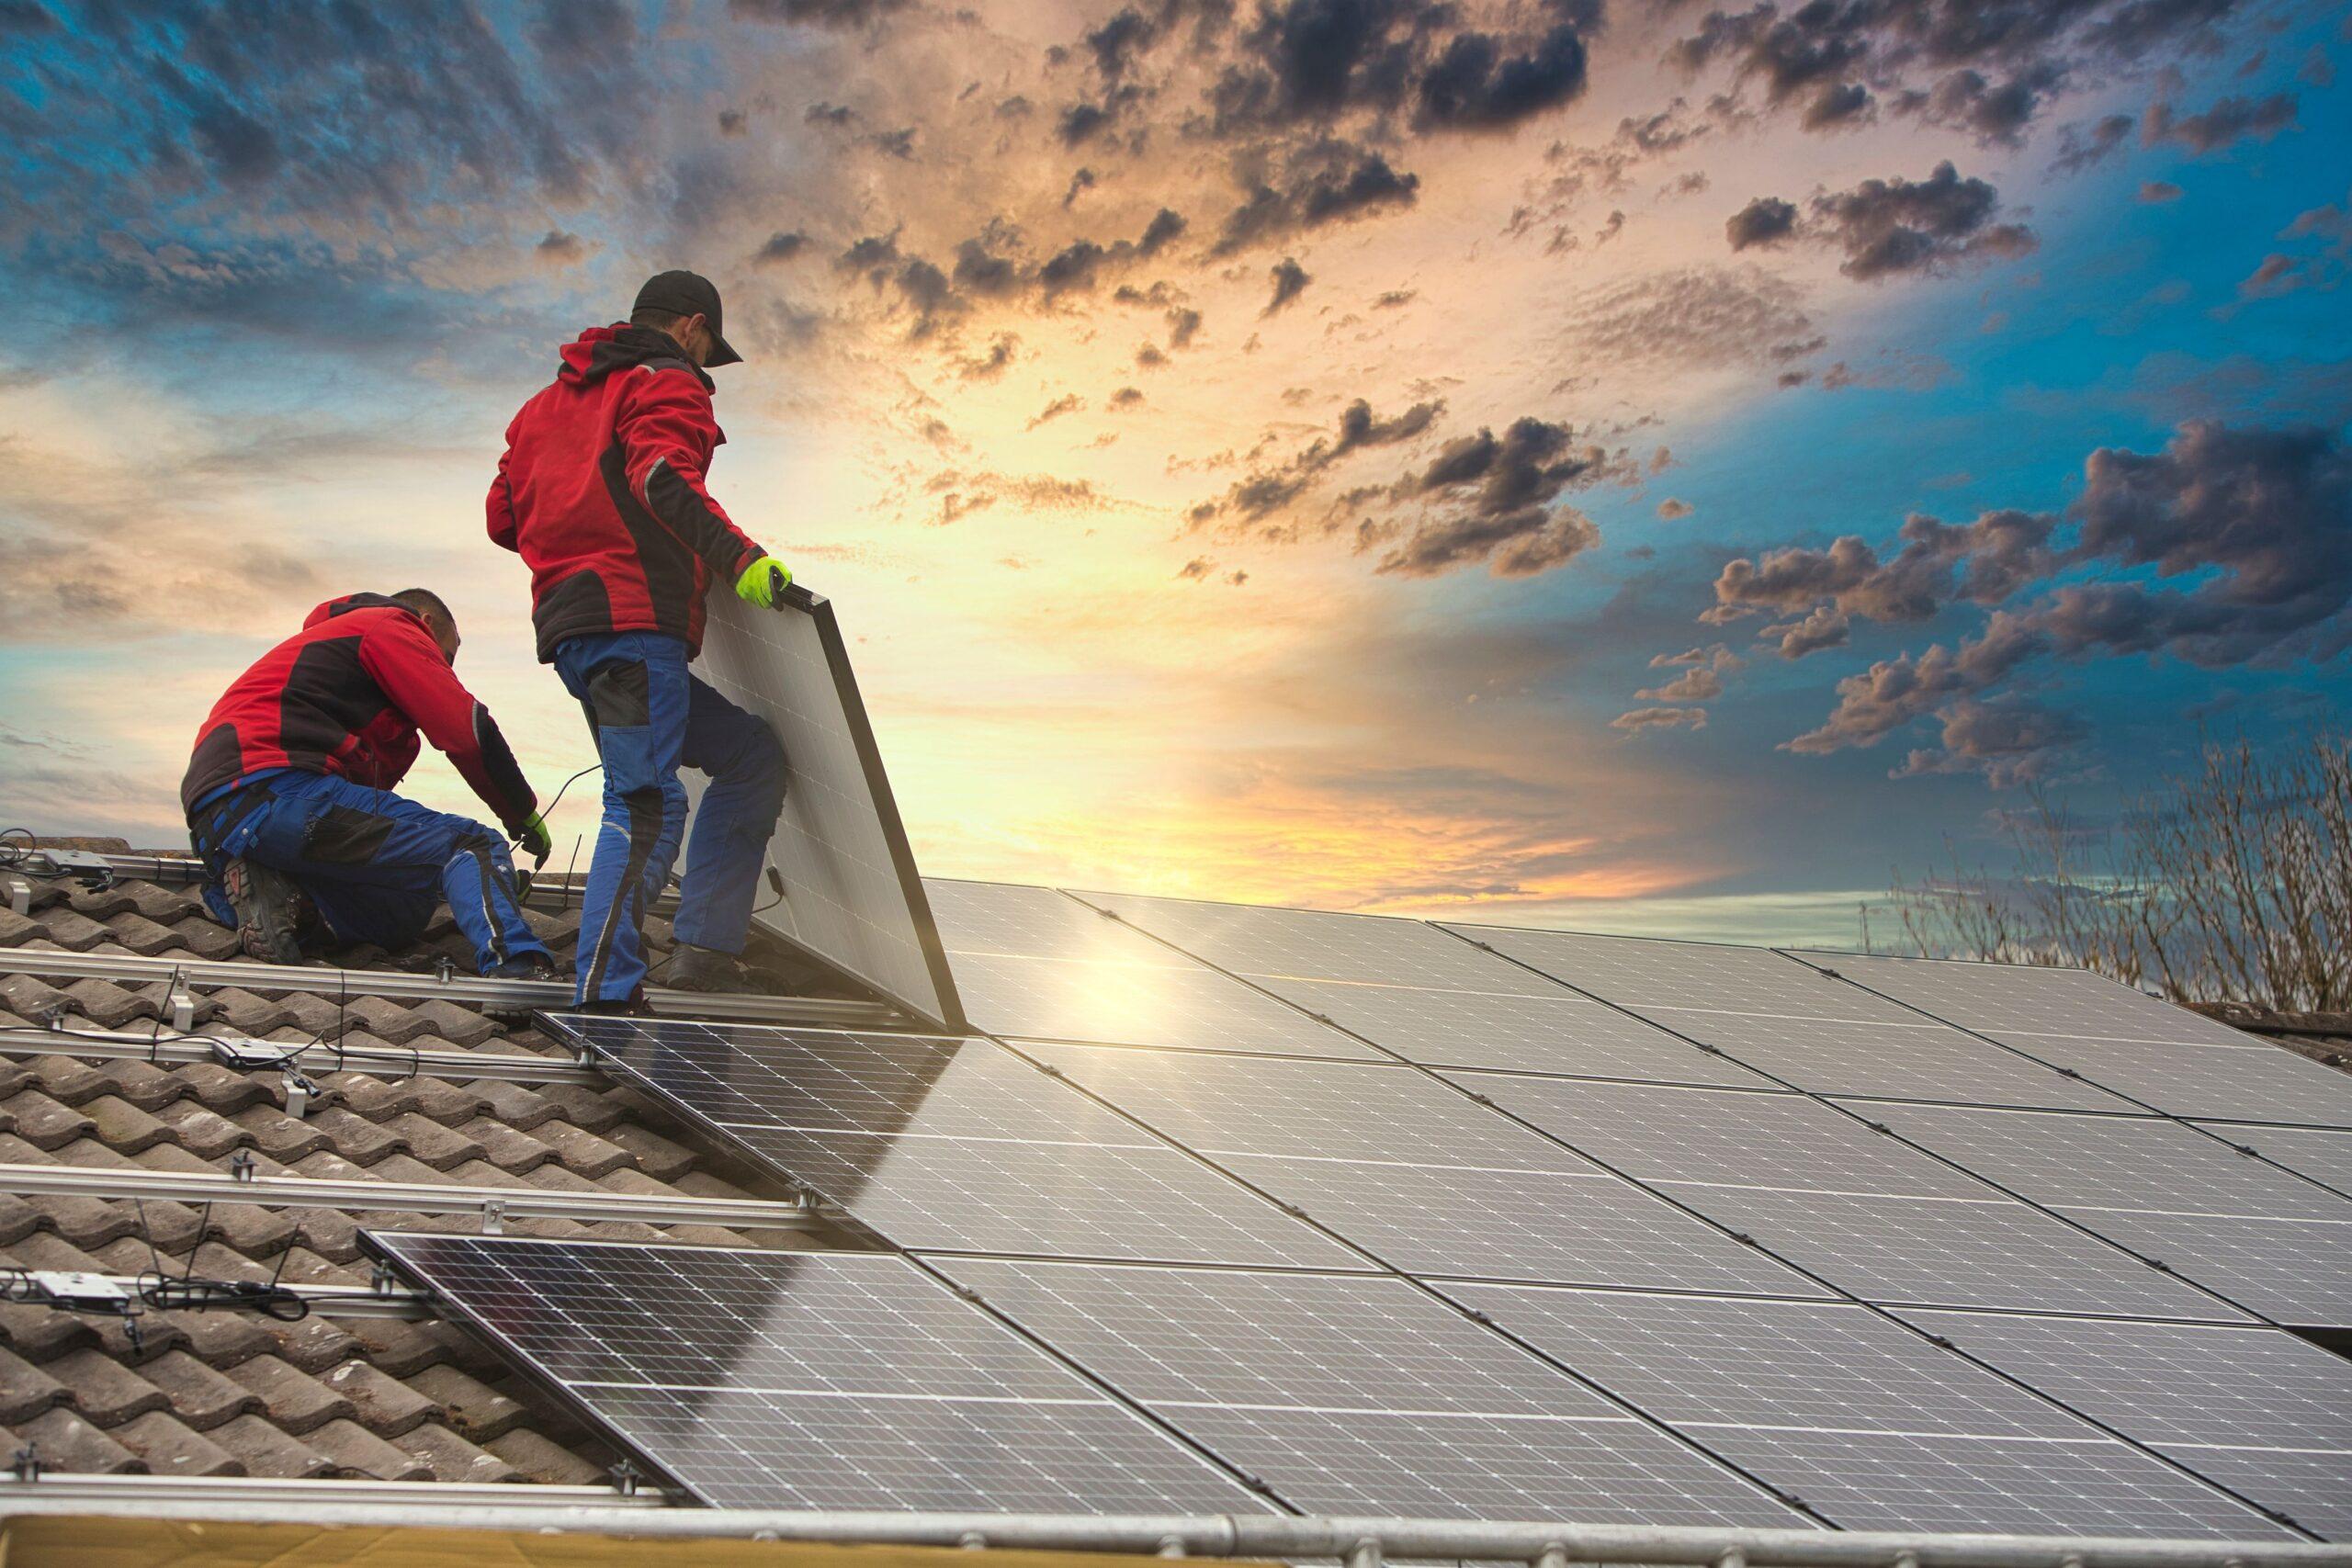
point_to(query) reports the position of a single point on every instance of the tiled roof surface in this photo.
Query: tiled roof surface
(235, 1393)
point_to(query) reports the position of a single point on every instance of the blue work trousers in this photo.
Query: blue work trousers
(375, 865)
(650, 715)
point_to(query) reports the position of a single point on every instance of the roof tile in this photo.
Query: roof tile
(67, 1441)
(452, 1458)
(292, 1399)
(103, 1389)
(269, 1452)
(358, 1452)
(199, 1396)
(203, 1133)
(170, 1448)
(26, 1390)
(380, 1403)
(473, 1408)
(543, 1460)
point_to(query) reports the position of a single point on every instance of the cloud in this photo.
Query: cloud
(1669, 510)
(1267, 493)
(1641, 719)
(1701, 676)
(2080, 149)
(1889, 227)
(1691, 318)
(1983, 562)
(1289, 281)
(2009, 742)
(1824, 627)
(2230, 121)
(1894, 692)
(1765, 221)
(1325, 182)
(1127, 398)
(1069, 402)
(560, 248)
(1473, 86)
(780, 247)
(2153, 192)
(1492, 502)
(820, 13)
(1183, 325)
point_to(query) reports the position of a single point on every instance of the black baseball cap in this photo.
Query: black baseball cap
(683, 293)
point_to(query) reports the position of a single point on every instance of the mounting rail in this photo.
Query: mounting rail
(260, 1497)
(315, 1058)
(517, 996)
(495, 1206)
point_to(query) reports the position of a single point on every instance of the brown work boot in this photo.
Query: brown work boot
(271, 911)
(707, 970)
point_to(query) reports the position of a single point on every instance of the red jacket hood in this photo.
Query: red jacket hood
(598, 351)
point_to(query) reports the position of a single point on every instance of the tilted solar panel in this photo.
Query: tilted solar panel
(1419, 1175)
(2265, 1238)
(851, 893)
(1364, 1396)
(1031, 962)
(937, 1142)
(1783, 1017)
(2321, 1155)
(2266, 1414)
(1884, 1222)
(774, 1380)
(1870, 1423)
(2162, 1055)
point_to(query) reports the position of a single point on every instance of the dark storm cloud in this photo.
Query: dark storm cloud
(1765, 221)
(1289, 281)
(1493, 500)
(1987, 67)
(1889, 227)
(2228, 121)
(822, 13)
(780, 248)
(2257, 522)
(1266, 492)
(1475, 85)
(1325, 182)
(1183, 325)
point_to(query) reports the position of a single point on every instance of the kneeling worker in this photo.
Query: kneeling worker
(601, 491)
(287, 794)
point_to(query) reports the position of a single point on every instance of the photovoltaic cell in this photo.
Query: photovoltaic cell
(1363, 1395)
(1881, 1221)
(1874, 1426)
(946, 1143)
(1423, 1178)
(811, 1381)
(1312, 945)
(2162, 1055)
(2321, 1155)
(1774, 1013)
(851, 893)
(2256, 1234)
(1032, 962)
(2258, 1410)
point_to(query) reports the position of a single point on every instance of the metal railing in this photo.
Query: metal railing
(316, 1058)
(1359, 1543)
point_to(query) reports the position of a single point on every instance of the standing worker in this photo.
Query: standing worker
(601, 491)
(289, 793)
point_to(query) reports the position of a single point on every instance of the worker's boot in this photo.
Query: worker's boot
(271, 911)
(706, 969)
(524, 966)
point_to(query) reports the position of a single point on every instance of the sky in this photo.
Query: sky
(1653, 469)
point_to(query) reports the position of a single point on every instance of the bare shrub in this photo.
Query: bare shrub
(2230, 883)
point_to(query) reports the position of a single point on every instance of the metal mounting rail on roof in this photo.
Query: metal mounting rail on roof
(824, 1012)
(1358, 1541)
(494, 1205)
(112, 1294)
(314, 1058)
(261, 1497)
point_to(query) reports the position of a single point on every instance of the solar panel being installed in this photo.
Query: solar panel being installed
(2265, 1238)
(851, 894)
(1804, 1027)
(1427, 996)
(1420, 1176)
(2256, 1409)
(2161, 1055)
(1031, 962)
(1870, 1423)
(1879, 1219)
(810, 1380)
(1365, 1396)
(949, 1142)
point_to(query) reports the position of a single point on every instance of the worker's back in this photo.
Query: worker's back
(627, 418)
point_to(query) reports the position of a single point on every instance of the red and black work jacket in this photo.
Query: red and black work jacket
(601, 491)
(347, 694)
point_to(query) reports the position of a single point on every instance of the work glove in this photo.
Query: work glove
(762, 580)
(532, 837)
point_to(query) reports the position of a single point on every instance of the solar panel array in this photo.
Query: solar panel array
(1559, 1226)
(851, 893)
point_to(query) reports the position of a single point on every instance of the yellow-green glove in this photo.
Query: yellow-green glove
(761, 582)
(533, 838)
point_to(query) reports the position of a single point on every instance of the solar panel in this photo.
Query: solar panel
(851, 893)
(2117, 1037)
(1426, 995)
(2323, 1156)
(1311, 944)
(1420, 1176)
(777, 1380)
(1036, 963)
(2256, 1409)
(949, 1142)
(1872, 1424)
(2258, 1235)
(1807, 1028)
(1364, 1396)
(1881, 1221)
